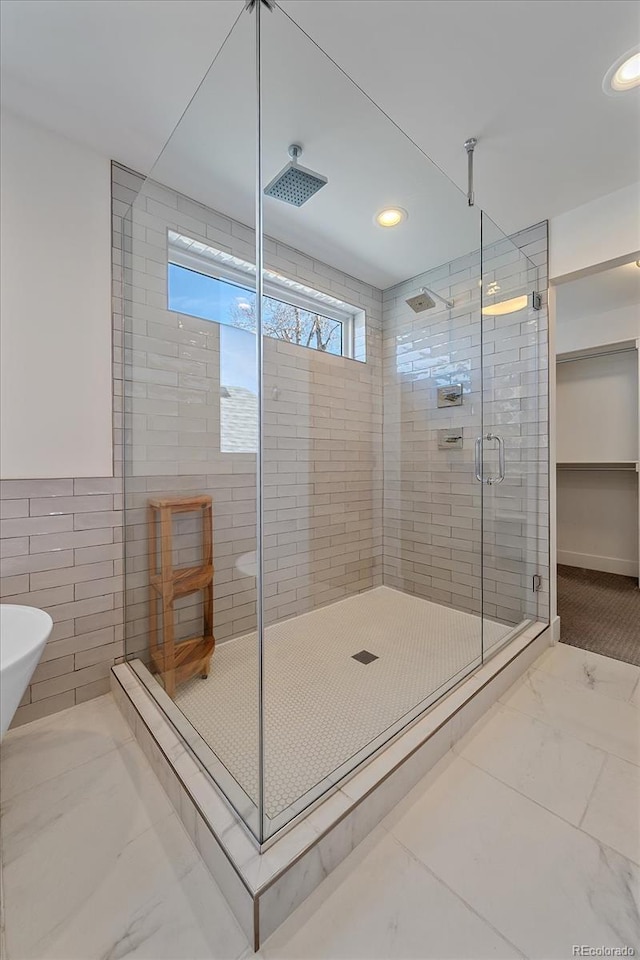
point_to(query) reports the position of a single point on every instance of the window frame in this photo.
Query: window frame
(275, 286)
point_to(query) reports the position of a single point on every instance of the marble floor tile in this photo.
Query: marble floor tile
(542, 762)
(382, 903)
(601, 721)
(61, 839)
(610, 678)
(613, 814)
(544, 884)
(38, 751)
(478, 861)
(157, 901)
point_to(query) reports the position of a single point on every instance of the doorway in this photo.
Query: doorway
(597, 427)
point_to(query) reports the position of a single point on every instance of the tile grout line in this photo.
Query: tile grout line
(545, 723)
(151, 827)
(582, 686)
(76, 766)
(455, 893)
(553, 727)
(552, 813)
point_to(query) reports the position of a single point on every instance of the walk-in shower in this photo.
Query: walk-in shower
(307, 406)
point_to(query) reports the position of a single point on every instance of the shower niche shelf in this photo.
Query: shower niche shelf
(178, 660)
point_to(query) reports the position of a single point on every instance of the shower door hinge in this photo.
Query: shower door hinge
(537, 583)
(536, 300)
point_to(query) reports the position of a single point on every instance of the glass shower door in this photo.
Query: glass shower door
(191, 400)
(371, 394)
(512, 450)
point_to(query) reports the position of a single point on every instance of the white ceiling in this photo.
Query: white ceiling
(525, 77)
(599, 293)
(368, 162)
(113, 74)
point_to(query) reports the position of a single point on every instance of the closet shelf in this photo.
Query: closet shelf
(598, 465)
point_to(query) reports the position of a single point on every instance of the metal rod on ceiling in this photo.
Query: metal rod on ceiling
(470, 146)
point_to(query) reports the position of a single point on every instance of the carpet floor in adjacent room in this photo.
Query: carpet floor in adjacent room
(600, 612)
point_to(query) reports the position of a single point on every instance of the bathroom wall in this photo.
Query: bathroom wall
(55, 356)
(60, 519)
(432, 514)
(603, 230)
(61, 550)
(581, 332)
(322, 432)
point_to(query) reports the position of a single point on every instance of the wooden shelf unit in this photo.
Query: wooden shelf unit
(178, 660)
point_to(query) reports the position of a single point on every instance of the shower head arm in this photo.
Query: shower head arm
(436, 296)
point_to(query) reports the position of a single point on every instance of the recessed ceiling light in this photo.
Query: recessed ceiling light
(624, 74)
(502, 307)
(391, 216)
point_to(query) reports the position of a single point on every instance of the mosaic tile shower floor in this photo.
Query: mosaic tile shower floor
(321, 705)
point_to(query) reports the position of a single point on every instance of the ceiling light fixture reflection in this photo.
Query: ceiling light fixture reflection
(624, 74)
(391, 216)
(503, 307)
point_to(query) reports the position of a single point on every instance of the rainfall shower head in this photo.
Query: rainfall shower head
(422, 301)
(425, 300)
(295, 184)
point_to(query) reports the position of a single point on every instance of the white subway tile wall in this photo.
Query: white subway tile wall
(61, 550)
(443, 531)
(322, 454)
(62, 541)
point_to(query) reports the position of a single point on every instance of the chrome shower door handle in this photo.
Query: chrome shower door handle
(501, 459)
(478, 460)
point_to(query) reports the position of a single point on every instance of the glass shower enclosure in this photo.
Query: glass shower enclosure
(335, 431)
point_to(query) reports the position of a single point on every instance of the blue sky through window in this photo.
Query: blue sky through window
(233, 306)
(201, 296)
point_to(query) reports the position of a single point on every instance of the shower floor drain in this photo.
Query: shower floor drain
(364, 657)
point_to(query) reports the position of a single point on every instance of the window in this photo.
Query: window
(225, 302)
(211, 284)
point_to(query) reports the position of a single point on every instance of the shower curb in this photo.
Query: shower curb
(263, 887)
